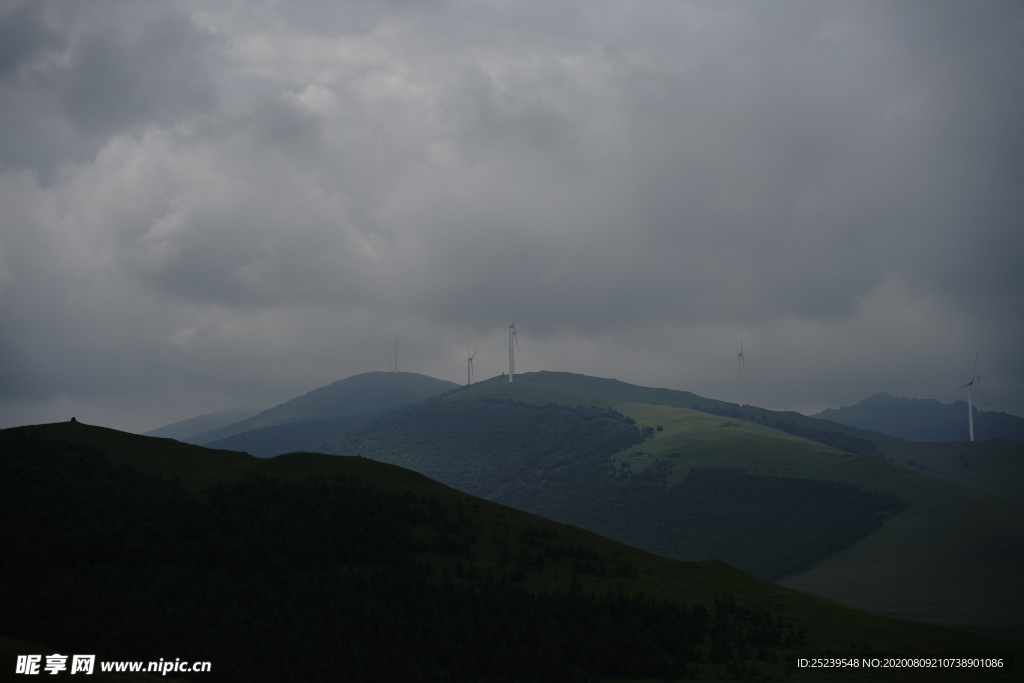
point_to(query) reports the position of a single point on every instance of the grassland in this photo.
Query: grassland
(953, 556)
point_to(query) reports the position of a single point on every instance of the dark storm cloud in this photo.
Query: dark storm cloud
(24, 34)
(121, 77)
(220, 200)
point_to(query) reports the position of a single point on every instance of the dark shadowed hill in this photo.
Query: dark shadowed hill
(353, 399)
(310, 567)
(925, 419)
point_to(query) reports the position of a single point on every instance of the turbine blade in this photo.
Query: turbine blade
(978, 391)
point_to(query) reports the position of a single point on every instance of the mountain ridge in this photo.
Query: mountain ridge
(357, 396)
(186, 430)
(925, 420)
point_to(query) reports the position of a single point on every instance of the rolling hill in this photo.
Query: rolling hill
(559, 462)
(962, 501)
(925, 419)
(330, 409)
(923, 519)
(310, 567)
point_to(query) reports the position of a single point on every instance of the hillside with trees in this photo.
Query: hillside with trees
(310, 567)
(952, 505)
(556, 461)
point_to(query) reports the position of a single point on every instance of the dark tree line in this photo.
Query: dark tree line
(845, 442)
(779, 526)
(769, 526)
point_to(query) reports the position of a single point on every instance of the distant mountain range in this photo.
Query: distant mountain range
(925, 420)
(187, 430)
(306, 421)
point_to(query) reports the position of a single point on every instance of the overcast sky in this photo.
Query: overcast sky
(208, 204)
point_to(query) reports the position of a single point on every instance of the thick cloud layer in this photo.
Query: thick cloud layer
(221, 203)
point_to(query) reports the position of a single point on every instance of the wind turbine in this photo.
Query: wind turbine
(512, 350)
(469, 366)
(971, 388)
(741, 363)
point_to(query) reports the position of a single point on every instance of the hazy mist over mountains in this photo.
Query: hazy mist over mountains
(306, 421)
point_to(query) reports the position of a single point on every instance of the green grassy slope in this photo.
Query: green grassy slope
(496, 533)
(995, 465)
(952, 556)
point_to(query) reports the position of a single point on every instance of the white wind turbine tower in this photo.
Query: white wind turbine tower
(741, 363)
(512, 338)
(971, 388)
(469, 366)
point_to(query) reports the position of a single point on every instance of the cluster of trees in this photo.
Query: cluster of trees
(321, 579)
(769, 526)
